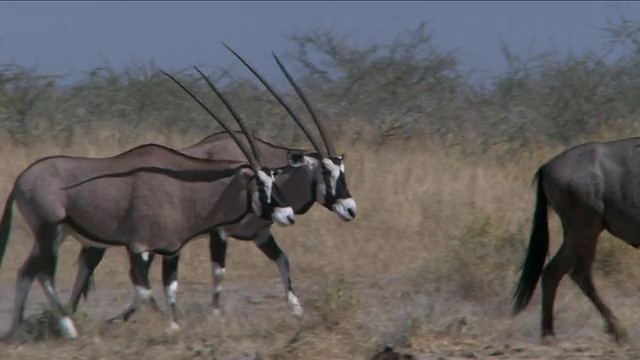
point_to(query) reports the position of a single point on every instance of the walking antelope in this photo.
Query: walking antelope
(321, 180)
(150, 199)
(592, 187)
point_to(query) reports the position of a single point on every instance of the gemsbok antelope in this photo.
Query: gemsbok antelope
(322, 180)
(591, 187)
(150, 199)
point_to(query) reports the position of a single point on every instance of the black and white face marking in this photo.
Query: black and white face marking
(330, 182)
(332, 168)
(270, 202)
(265, 184)
(333, 189)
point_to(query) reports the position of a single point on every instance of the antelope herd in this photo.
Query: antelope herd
(154, 200)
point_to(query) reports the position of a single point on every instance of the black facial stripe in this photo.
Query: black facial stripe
(267, 207)
(277, 200)
(329, 197)
(342, 192)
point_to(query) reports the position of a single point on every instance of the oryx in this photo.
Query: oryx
(592, 187)
(321, 180)
(149, 199)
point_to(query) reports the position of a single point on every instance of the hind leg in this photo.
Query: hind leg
(26, 274)
(41, 263)
(553, 272)
(50, 240)
(583, 277)
(88, 260)
(575, 254)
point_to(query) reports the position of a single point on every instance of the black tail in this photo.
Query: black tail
(537, 252)
(91, 285)
(5, 224)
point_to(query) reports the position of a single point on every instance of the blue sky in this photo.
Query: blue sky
(63, 37)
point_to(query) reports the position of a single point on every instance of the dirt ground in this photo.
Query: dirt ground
(257, 323)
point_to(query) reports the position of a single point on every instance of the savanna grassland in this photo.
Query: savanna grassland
(441, 169)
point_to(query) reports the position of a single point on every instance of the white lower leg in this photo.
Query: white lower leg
(218, 273)
(296, 308)
(142, 294)
(170, 293)
(218, 278)
(68, 328)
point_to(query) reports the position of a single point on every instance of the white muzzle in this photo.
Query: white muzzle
(283, 216)
(345, 208)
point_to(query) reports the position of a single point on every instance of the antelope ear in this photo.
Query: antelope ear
(343, 156)
(297, 159)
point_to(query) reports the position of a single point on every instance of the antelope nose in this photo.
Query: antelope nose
(351, 212)
(291, 219)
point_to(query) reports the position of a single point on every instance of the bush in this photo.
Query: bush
(373, 92)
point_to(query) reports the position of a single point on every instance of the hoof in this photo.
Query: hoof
(217, 313)
(68, 328)
(116, 320)
(619, 335)
(124, 317)
(548, 340)
(297, 311)
(293, 301)
(14, 337)
(174, 327)
(218, 316)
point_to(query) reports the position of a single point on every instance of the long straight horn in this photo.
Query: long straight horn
(243, 126)
(323, 131)
(316, 145)
(252, 161)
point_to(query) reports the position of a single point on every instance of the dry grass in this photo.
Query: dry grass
(427, 266)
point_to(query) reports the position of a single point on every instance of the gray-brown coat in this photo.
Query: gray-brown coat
(322, 179)
(592, 187)
(149, 199)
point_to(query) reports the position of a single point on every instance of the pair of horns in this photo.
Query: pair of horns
(321, 128)
(255, 159)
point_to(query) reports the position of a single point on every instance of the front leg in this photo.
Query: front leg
(170, 281)
(139, 274)
(218, 252)
(266, 242)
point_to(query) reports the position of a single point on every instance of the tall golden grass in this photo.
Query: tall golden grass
(432, 255)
